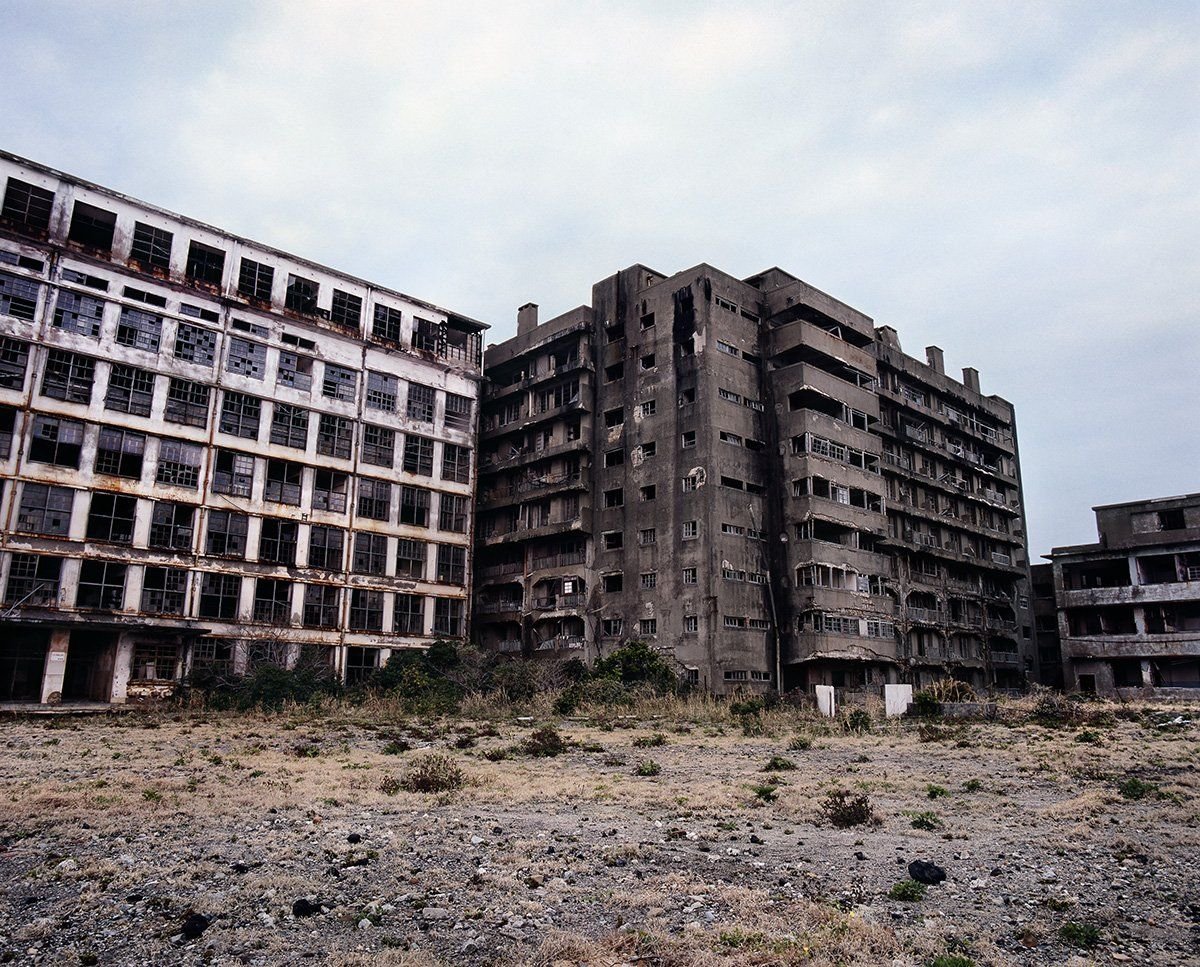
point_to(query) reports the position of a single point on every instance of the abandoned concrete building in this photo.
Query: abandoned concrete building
(215, 453)
(754, 477)
(1129, 605)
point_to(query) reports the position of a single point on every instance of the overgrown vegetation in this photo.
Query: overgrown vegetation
(907, 891)
(631, 670)
(433, 772)
(842, 810)
(1079, 935)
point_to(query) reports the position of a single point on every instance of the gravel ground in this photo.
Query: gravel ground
(184, 838)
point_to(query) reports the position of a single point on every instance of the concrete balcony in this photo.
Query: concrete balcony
(1133, 594)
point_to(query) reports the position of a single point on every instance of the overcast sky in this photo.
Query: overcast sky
(1016, 183)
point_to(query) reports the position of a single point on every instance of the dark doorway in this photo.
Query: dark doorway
(88, 677)
(1087, 684)
(22, 662)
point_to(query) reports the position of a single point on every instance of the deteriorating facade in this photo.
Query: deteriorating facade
(1129, 605)
(215, 453)
(751, 475)
(1045, 625)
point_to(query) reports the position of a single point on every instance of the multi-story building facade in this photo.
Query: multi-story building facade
(215, 453)
(731, 469)
(1045, 624)
(1129, 605)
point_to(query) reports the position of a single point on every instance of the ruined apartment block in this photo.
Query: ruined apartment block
(750, 475)
(214, 453)
(1129, 605)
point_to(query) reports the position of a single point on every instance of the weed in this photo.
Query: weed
(801, 743)
(306, 750)
(843, 811)
(778, 763)
(396, 746)
(935, 791)
(924, 820)
(1079, 935)
(648, 768)
(650, 741)
(547, 742)
(908, 891)
(765, 793)
(152, 795)
(972, 785)
(857, 721)
(1089, 736)
(497, 755)
(951, 960)
(434, 772)
(1135, 788)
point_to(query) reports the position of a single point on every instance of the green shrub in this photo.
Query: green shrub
(778, 763)
(925, 705)
(270, 686)
(972, 785)
(1079, 935)
(636, 663)
(546, 742)
(924, 820)
(389, 785)
(1089, 736)
(650, 741)
(434, 772)
(765, 792)
(858, 720)
(747, 706)
(417, 678)
(800, 743)
(396, 746)
(516, 679)
(842, 810)
(648, 768)
(908, 891)
(936, 791)
(1135, 788)
(951, 960)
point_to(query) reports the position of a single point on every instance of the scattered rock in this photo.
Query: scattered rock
(926, 872)
(304, 907)
(194, 924)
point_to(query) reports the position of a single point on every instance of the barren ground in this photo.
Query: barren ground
(114, 828)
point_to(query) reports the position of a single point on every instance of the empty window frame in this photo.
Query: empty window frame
(330, 490)
(335, 436)
(227, 533)
(130, 390)
(195, 345)
(277, 541)
(452, 515)
(421, 400)
(451, 564)
(458, 412)
(111, 518)
(378, 445)
(387, 323)
(19, 296)
(411, 558)
(179, 464)
(612, 540)
(648, 627)
(414, 506)
(648, 580)
(370, 554)
(322, 603)
(648, 535)
(273, 601)
(45, 510)
(295, 370)
(68, 377)
(326, 547)
(289, 426)
(427, 336)
(33, 580)
(139, 330)
(448, 616)
(648, 492)
(164, 590)
(172, 525)
(240, 414)
(92, 227)
(409, 615)
(284, 482)
(366, 614)
(14, 358)
(246, 358)
(57, 441)
(233, 473)
(8, 425)
(78, 313)
(345, 310)
(456, 463)
(220, 595)
(255, 280)
(27, 206)
(120, 453)
(383, 391)
(101, 586)
(187, 403)
(301, 294)
(612, 627)
(338, 383)
(375, 498)
(691, 529)
(205, 264)
(418, 455)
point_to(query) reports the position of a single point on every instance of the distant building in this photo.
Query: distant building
(214, 453)
(1045, 622)
(753, 477)
(1129, 605)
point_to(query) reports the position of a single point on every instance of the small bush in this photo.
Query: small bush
(434, 772)
(546, 742)
(925, 705)
(842, 811)
(1079, 935)
(1135, 788)
(648, 768)
(1089, 736)
(765, 793)
(908, 891)
(924, 820)
(951, 960)
(389, 785)
(858, 721)
(972, 785)
(936, 791)
(497, 755)
(800, 743)
(650, 741)
(1054, 710)
(778, 763)
(952, 690)
(396, 746)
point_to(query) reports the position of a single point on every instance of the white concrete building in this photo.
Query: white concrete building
(215, 453)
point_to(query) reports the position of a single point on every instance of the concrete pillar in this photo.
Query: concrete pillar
(56, 666)
(122, 663)
(826, 703)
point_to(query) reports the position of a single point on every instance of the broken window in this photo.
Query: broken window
(456, 463)
(383, 391)
(409, 615)
(255, 280)
(411, 556)
(378, 445)
(151, 246)
(171, 526)
(163, 590)
(227, 533)
(111, 518)
(57, 441)
(33, 580)
(18, 297)
(418, 455)
(246, 358)
(458, 412)
(374, 498)
(612, 627)
(338, 383)
(451, 564)
(301, 295)
(325, 547)
(205, 265)
(130, 390)
(329, 491)
(452, 515)
(27, 206)
(284, 481)
(45, 510)
(448, 616)
(294, 371)
(68, 377)
(273, 601)
(335, 436)
(240, 414)
(414, 506)
(421, 402)
(321, 606)
(14, 357)
(139, 330)
(648, 627)
(613, 540)
(187, 403)
(614, 458)
(345, 310)
(366, 614)
(92, 227)
(614, 417)
(387, 323)
(233, 473)
(688, 439)
(289, 426)
(220, 595)
(195, 345)
(370, 554)
(101, 586)
(120, 453)
(78, 313)
(614, 498)
(427, 336)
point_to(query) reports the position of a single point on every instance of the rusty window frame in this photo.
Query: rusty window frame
(412, 558)
(322, 604)
(427, 336)
(120, 453)
(374, 498)
(14, 360)
(138, 329)
(284, 483)
(8, 427)
(255, 279)
(233, 473)
(414, 506)
(130, 390)
(92, 227)
(56, 441)
(456, 463)
(45, 509)
(111, 517)
(326, 547)
(458, 412)
(83, 314)
(18, 296)
(366, 614)
(418, 455)
(27, 206)
(408, 614)
(339, 383)
(277, 541)
(68, 376)
(289, 426)
(451, 565)
(101, 585)
(33, 580)
(151, 246)
(335, 436)
(301, 294)
(452, 514)
(194, 344)
(331, 489)
(421, 402)
(378, 445)
(205, 264)
(187, 402)
(241, 414)
(226, 533)
(448, 616)
(345, 310)
(220, 595)
(171, 525)
(295, 370)
(246, 358)
(164, 590)
(369, 555)
(273, 601)
(387, 323)
(383, 391)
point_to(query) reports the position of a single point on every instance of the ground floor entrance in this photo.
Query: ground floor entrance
(22, 663)
(89, 673)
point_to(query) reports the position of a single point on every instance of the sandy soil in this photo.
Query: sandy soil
(114, 829)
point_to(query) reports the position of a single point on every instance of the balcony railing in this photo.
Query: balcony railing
(499, 570)
(924, 615)
(559, 560)
(560, 643)
(998, 558)
(497, 607)
(509, 646)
